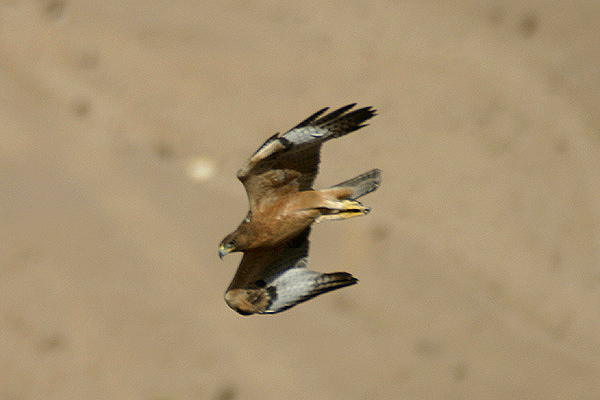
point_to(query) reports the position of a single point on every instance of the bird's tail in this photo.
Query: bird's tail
(362, 184)
(344, 203)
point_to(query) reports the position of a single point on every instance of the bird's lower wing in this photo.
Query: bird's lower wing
(300, 284)
(274, 279)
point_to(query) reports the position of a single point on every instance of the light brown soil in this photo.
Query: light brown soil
(479, 266)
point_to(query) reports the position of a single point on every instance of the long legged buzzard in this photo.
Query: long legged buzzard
(273, 275)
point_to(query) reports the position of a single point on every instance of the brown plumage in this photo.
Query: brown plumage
(278, 178)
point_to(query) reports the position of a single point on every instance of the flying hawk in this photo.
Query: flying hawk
(273, 274)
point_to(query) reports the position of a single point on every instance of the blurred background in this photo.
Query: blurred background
(122, 124)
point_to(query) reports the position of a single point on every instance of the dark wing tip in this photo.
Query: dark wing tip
(343, 121)
(335, 280)
(309, 120)
(341, 115)
(332, 281)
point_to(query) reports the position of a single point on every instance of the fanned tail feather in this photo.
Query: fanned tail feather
(362, 184)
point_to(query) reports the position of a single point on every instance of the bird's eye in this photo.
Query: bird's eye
(232, 242)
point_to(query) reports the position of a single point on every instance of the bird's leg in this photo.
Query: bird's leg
(342, 209)
(331, 204)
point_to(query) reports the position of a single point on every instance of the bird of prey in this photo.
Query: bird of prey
(273, 274)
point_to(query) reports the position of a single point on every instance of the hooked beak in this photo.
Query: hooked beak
(224, 250)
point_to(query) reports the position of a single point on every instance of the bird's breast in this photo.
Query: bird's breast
(281, 225)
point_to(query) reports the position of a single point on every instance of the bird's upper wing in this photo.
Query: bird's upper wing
(274, 279)
(292, 158)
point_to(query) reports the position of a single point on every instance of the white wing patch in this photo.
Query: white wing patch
(292, 286)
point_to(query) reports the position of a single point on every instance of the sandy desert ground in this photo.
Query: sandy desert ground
(122, 124)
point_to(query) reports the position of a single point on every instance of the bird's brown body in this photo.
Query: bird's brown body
(286, 215)
(274, 235)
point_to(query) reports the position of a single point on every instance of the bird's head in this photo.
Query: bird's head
(228, 245)
(238, 240)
